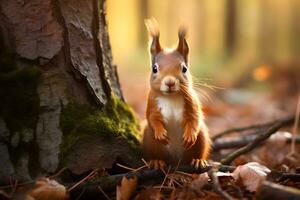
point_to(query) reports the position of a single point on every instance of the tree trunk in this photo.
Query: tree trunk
(61, 103)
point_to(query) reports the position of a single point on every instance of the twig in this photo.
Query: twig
(108, 183)
(295, 128)
(166, 176)
(83, 180)
(242, 141)
(132, 169)
(260, 139)
(291, 176)
(58, 173)
(106, 196)
(176, 182)
(79, 195)
(216, 185)
(184, 173)
(285, 122)
(241, 129)
(13, 186)
(125, 167)
(145, 162)
(140, 168)
(4, 194)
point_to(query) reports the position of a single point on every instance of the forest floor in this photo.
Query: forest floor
(269, 169)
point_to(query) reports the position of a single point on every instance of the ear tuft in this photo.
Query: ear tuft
(182, 32)
(152, 27)
(153, 30)
(183, 47)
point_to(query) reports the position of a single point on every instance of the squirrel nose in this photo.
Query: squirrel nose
(170, 83)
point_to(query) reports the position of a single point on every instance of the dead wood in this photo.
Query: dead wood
(284, 121)
(259, 140)
(275, 191)
(241, 141)
(216, 185)
(109, 183)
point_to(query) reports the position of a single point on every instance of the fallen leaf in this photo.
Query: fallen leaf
(127, 188)
(251, 175)
(47, 189)
(275, 145)
(199, 181)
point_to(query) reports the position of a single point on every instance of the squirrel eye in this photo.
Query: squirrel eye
(154, 68)
(184, 68)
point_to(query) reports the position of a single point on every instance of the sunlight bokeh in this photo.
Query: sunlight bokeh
(228, 40)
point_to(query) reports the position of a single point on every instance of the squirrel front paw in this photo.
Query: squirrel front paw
(199, 163)
(162, 136)
(189, 139)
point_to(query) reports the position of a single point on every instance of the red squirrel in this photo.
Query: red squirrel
(175, 132)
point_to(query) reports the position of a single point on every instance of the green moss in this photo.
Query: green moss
(115, 119)
(19, 102)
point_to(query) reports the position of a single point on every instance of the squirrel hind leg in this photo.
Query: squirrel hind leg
(153, 149)
(199, 152)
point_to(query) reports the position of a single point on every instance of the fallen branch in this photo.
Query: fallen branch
(275, 191)
(241, 141)
(284, 121)
(279, 176)
(290, 176)
(109, 183)
(216, 185)
(258, 141)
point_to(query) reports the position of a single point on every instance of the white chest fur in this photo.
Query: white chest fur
(171, 109)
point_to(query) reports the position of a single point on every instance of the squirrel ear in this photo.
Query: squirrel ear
(153, 30)
(182, 47)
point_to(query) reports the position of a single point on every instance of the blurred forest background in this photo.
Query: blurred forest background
(247, 50)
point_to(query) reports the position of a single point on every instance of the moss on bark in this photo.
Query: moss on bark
(113, 120)
(19, 102)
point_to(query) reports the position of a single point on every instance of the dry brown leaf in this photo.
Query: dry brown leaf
(275, 145)
(200, 181)
(127, 188)
(251, 175)
(47, 189)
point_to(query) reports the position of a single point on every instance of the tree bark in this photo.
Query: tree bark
(65, 45)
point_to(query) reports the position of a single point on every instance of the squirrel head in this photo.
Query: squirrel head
(170, 72)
